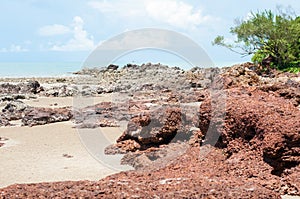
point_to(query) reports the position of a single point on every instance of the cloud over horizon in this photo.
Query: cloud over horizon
(13, 49)
(80, 41)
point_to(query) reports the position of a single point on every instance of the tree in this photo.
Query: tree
(266, 34)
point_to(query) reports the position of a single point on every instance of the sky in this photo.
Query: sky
(69, 30)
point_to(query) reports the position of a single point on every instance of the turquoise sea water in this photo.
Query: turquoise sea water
(38, 69)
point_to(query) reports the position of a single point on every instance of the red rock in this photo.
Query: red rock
(190, 176)
(154, 128)
(259, 121)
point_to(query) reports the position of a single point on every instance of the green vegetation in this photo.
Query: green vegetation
(268, 35)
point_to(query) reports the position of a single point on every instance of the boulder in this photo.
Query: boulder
(31, 87)
(14, 109)
(41, 116)
(155, 128)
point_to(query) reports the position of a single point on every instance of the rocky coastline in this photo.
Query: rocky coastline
(229, 132)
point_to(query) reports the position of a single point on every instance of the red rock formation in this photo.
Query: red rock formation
(259, 121)
(155, 128)
(190, 176)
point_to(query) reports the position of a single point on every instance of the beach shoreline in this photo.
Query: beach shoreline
(52, 128)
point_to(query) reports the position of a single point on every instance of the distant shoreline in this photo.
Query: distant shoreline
(14, 70)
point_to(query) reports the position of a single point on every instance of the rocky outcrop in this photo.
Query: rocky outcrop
(31, 87)
(41, 116)
(156, 137)
(289, 90)
(61, 91)
(259, 121)
(190, 176)
(152, 128)
(14, 110)
(152, 158)
(241, 75)
(104, 114)
(256, 154)
(32, 116)
(9, 98)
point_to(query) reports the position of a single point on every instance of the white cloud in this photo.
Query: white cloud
(80, 41)
(124, 8)
(13, 49)
(173, 12)
(55, 29)
(176, 13)
(102, 6)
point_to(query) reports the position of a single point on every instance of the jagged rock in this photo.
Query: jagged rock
(9, 88)
(41, 116)
(14, 110)
(13, 97)
(34, 87)
(159, 127)
(289, 90)
(152, 158)
(122, 147)
(31, 87)
(189, 176)
(257, 154)
(107, 114)
(240, 75)
(259, 121)
(62, 91)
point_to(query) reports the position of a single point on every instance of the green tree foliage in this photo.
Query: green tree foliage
(266, 34)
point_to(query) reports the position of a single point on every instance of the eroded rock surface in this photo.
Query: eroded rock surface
(158, 127)
(255, 154)
(31, 87)
(260, 121)
(14, 110)
(190, 176)
(41, 116)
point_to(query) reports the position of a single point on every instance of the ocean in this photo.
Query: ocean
(38, 69)
(62, 69)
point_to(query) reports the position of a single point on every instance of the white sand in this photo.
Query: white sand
(36, 155)
(56, 102)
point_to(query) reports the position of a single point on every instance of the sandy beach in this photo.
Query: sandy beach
(47, 153)
(52, 152)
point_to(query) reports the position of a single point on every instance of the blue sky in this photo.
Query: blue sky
(69, 30)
